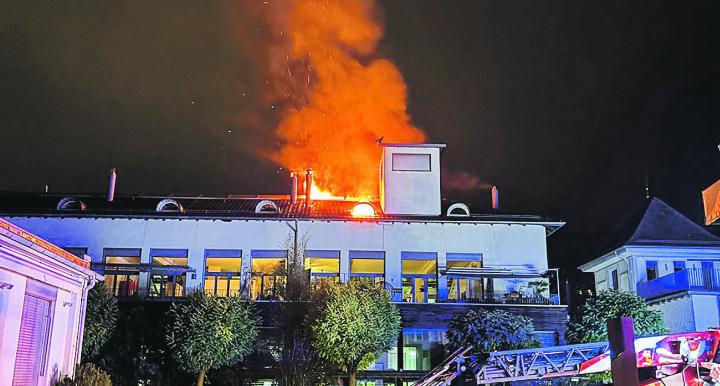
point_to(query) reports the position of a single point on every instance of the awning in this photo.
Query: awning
(494, 272)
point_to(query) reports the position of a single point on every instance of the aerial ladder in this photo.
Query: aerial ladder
(687, 359)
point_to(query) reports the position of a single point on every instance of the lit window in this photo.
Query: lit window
(167, 278)
(268, 276)
(122, 271)
(222, 274)
(367, 266)
(464, 288)
(422, 348)
(419, 278)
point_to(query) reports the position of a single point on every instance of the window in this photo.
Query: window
(422, 348)
(367, 266)
(651, 270)
(678, 266)
(222, 272)
(462, 284)
(268, 272)
(411, 162)
(122, 270)
(324, 266)
(614, 282)
(169, 267)
(419, 277)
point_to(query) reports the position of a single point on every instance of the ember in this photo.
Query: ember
(340, 97)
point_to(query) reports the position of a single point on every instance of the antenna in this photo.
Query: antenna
(647, 184)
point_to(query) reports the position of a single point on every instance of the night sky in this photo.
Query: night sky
(565, 105)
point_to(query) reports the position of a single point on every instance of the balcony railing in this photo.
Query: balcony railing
(513, 297)
(690, 279)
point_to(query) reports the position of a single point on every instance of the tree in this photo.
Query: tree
(488, 331)
(207, 332)
(100, 319)
(355, 323)
(290, 345)
(590, 324)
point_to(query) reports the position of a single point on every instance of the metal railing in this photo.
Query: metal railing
(511, 297)
(689, 279)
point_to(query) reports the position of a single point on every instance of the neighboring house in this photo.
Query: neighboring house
(436, 259)
(670, 261)
(43, 290)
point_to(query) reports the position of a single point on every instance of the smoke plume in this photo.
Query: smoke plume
(336, 96)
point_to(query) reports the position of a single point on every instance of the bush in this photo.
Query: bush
(590, 325)
(100, 320)
(488, 331)
(87, 374)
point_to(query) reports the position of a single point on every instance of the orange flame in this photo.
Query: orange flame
(341, 98)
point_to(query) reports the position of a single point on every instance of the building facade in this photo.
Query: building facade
(436, 259)
(671, 262)
(43, 291)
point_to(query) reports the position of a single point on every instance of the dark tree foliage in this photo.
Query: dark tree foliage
(488, 331)
(589, 325)
(86, 374)
(100, 320)
(354, 324)
(208, 332)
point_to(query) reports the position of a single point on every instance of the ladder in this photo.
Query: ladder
(516, 365)
(451, 368)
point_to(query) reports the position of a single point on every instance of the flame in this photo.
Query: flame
(319, 194)
(363, 209)
(337, 98)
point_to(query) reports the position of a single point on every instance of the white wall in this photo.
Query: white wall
(678, 314)
(500, 244)
(410, 192)
(705, 310)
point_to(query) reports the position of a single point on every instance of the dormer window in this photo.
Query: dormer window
(266, 206)
(71, 204)
(458, 210)
(169, 205)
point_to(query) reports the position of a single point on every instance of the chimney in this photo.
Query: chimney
(111, 185)
(308, 187)
(495, 198)
(293, 187)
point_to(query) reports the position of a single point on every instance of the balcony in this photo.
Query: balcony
(691, 279)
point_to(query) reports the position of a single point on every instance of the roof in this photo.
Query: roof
(655, 223)
(29, 204)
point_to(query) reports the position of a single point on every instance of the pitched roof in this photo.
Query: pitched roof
(657, 223)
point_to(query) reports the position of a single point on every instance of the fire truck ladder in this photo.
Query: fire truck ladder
(517, 365)
(451, 368)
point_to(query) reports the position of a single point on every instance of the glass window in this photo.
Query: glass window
(268, 277)
(678, 265)
(368, 266)
(167, 278)
(419, 281)
(462, 288)
(614, 281)
(222, 276)
(173, 261)
(422, 348)
(122, 271)
(651, 270)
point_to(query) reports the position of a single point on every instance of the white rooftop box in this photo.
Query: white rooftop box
(410, 179)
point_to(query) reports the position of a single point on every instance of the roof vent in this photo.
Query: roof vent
(458, 210)
(71, 204)
(267, 206)
(169, 205)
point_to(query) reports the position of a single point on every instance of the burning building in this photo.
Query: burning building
(435, 258)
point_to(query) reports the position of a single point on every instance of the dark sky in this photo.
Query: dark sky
(562, 104)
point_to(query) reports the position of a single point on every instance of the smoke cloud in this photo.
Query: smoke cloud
(336, 97)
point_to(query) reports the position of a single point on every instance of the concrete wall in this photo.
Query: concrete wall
(678, 314)
(705, 311)
(500, 245)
